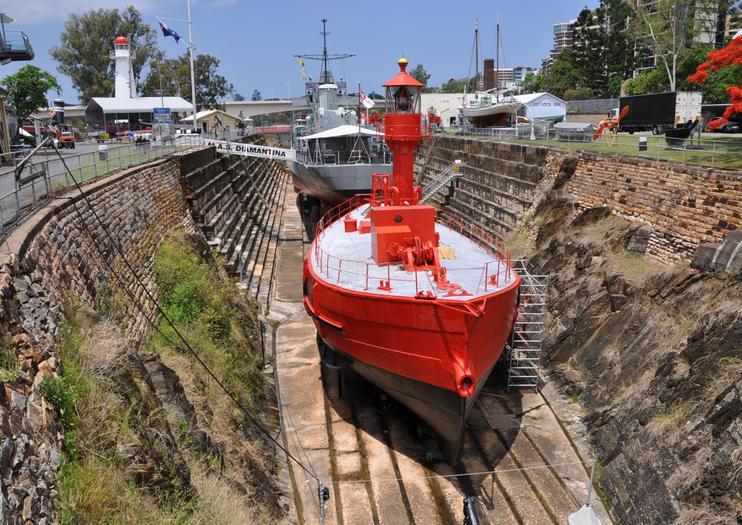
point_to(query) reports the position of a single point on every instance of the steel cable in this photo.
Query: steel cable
(190, 349)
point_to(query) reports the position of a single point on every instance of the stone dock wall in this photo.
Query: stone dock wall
(51, 261)
(683, 206)
(56, 260)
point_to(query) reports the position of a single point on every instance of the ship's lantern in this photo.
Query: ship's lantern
(403, 91)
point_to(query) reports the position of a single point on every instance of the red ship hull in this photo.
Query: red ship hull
(420, 308)
(416, 350)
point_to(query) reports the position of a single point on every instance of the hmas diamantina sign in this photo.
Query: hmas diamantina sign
(252, 150)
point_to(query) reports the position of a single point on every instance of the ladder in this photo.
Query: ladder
(441, 180)
(526, 343)
(356, 156)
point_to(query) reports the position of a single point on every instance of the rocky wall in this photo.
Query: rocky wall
(681, 206)
(51, 261)
(685, 205)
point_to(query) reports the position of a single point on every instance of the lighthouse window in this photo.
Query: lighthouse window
(402, 97)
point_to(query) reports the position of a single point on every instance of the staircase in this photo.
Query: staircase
(237, 202)
(497, 187)
(437, 182)
(526, 345)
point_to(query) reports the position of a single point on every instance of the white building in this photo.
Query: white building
(520, 72)
(542, 106)
(125, 110)
(564, 35)
(446, 106)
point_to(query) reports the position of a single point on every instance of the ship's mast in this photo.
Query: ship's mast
(476, 52)
(497, 62)
(325, 76)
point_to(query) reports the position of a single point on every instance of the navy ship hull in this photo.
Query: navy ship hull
(320, 188)
(332, 184)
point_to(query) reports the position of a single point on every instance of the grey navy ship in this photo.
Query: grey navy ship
(335, 154)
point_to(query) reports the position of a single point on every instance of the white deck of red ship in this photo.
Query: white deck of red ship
(351, 266)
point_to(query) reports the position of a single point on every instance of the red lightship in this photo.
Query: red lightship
(419, 303)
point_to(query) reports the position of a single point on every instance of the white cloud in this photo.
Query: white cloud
(44, 11)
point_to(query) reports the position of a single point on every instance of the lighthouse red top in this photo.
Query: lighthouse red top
(403, 78)
(121, 40)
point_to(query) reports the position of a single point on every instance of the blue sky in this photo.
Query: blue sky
(256, 40)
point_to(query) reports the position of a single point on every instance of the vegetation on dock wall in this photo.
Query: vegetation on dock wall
(209, 312)
(150, 438)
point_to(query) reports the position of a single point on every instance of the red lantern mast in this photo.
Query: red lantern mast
(403, 229)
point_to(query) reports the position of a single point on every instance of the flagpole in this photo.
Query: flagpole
(193, 75)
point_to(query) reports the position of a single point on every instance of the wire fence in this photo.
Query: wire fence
(723, 152)
(45, 176)
(596, 105)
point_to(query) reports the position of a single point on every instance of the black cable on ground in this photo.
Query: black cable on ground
(190, 349)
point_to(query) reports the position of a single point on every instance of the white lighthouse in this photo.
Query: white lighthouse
(126, 111)
(125, 87)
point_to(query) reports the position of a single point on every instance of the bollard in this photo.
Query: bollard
(642, 143)
(102, 152)
(473, 515)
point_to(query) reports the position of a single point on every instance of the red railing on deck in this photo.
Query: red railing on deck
(341, 210)
(334, 267)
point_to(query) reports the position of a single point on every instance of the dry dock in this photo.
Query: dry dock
(381, 466)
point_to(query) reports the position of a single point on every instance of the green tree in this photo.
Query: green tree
(86, 41)
(419, 74)
(665, 27)
(175, 76)
(651, 81)
(563, 74)
(256, 95)
(237, 97)
(588, 51)
(579, 93)
(457, 85)
(619, 45)
(533, 83)
(603, 49)
(27, 90)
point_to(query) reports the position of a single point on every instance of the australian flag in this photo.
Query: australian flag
(166, 31)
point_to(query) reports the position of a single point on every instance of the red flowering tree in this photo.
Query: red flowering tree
(729, 56)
